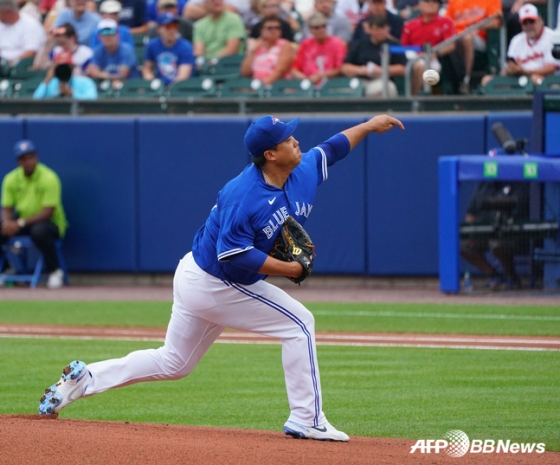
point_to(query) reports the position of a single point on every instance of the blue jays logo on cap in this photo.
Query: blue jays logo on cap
(266, 132)
(22, 147)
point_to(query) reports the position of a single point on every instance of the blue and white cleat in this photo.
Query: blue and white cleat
(72, 385)
(324, 432)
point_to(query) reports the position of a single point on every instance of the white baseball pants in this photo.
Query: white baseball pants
(202, 307)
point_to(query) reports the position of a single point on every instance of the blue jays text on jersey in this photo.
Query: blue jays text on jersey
(249, 212)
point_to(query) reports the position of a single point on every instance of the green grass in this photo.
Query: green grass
(368, 391)
(351, 317)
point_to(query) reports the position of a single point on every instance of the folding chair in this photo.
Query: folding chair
(20, 250)
(508, 85)
(341, 87)
(290, 88)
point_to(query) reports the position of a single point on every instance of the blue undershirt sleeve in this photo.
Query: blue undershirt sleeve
(336, 148)
(251, 260)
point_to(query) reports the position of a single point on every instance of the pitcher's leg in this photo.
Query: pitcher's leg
(187, 340)
(268, 310)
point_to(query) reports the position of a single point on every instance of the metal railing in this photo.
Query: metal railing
(428, 50)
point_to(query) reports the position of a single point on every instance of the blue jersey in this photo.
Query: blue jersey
(111, 62)
(168, 59)
(249, 213)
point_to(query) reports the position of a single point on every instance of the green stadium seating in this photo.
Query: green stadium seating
(6, 87)
(22, 70)
(290, 88)
(193, 87)
(25, 89)
(140, 88)
(508, 85)
(550, 83)
(221, 69)
(241, 87)
(341, 87)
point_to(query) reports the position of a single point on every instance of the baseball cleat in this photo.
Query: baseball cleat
(72, 385)
(324, 432)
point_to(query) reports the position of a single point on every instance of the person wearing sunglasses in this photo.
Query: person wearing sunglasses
(530, 52)
(269, 57)
(337, 25)
(319, 57)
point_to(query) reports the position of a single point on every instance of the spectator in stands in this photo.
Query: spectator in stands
(319, 57)
(530, 52)
(133, 15)
(168, 57)
(269, 8)
(464, 14)
(52, 9)
(198, 9)
(430, 28)
(497, 204)
(112, 59)
(354, 10)
(154, 9)
(337, 25)
(61, 39)
(218, 34)
(407, 9)
(84, 21)
(378, 8)
(173, 7)
(32, 206)
(64, 84)
(111, 9)
(270, 57)
(510, 9)
(364, 59)
(21, 36)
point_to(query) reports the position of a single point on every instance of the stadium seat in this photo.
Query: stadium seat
(25, 89)
(241, 87)
(550, 83)
(6, 87)
(193, 87)
(140, 88)
(140, 42)
(21, 251)
(507, 85)
(290, 88)
(224, 68)
(22, 70)
(341, 87)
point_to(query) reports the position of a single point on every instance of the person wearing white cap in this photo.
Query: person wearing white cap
(110, 9)
(530, 52)
(112, 59)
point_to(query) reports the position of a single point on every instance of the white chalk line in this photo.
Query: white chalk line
(276, 342)
(466, 316)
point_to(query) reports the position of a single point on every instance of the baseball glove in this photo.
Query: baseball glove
(294, 244)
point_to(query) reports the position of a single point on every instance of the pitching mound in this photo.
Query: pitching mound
(30, 439)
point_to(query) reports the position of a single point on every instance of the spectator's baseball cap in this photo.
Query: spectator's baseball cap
(167, 18)
(107, 27)
(24, 146)
(63, 57)
(266, 132)
(528, 11)
(110, 7)
(167, 3)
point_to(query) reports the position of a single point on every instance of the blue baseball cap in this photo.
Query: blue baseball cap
(24, 146)
(266, 132)
(167, 18)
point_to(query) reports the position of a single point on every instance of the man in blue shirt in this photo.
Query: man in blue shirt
(221, 283)
(133, 15)
(112, 59)
(84, 21)
(168, 57)
(64, 84)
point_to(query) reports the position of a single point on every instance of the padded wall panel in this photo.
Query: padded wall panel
(95, 160)
(183, 163)
(402, 180)
(11, 130)
(519, 124)
(337, 222)
(552, 133)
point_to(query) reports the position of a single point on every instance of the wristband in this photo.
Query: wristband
(21, 223)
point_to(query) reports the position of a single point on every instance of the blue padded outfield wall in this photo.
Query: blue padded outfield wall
(136, 190)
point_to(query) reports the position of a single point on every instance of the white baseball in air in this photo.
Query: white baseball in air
(431, 77)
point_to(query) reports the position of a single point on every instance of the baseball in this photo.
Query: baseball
(430, 76)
